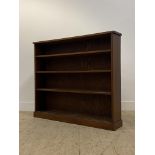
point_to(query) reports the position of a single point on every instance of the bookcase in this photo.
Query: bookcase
(78, 80)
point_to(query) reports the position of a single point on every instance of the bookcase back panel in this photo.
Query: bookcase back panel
(57, 48)
(87, 62)
(102, 42)
(87, 81)
(70, 102)
(99, 43)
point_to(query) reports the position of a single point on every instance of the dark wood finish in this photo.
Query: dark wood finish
(75, 71)
(73, 53)
(116, 77)
(75, 91)
(80, 119)
(78, 80)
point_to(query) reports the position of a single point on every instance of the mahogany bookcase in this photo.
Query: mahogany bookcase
(78, 80)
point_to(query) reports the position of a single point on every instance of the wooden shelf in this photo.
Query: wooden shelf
(78, 37)
(74, 91)
(73, 53)
(64, 72)
(71, 117)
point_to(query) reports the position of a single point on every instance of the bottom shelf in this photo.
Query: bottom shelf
(81, 119)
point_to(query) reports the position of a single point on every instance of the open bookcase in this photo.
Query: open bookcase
(78, 80)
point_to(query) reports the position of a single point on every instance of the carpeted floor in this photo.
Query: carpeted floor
(46, 137)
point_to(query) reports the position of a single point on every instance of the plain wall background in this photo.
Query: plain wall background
(50, 19)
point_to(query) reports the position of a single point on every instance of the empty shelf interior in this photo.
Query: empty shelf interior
(93, 44)
(100, 61)
(95, 104)
(92, 82)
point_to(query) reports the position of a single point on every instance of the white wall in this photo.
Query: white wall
(49, 19)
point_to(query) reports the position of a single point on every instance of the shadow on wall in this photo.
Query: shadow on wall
(26, 94)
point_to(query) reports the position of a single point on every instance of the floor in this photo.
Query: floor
(46, 137)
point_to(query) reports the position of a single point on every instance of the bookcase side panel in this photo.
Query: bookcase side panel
(37, 95)
(116, 77)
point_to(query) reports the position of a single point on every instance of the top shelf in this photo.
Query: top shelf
(78, 37)
(73, 53)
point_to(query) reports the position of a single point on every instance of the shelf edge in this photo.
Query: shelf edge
(73, 91)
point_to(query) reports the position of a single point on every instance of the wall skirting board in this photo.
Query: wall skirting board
(29, 106)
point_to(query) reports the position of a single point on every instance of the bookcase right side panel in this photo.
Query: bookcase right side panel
(116, 77)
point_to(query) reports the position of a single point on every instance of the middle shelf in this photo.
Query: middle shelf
(76, 71)
(74, 91)
(100, 62)
(74, 53)
(75, 80)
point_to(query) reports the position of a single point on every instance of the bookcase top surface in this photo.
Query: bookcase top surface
(78, 37)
